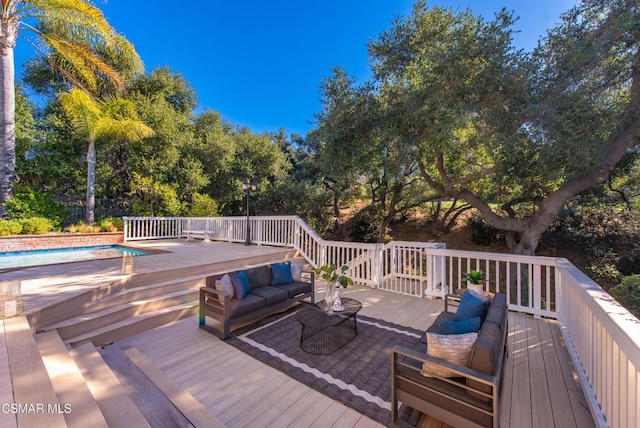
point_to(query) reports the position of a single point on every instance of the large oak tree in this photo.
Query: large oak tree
(516, 135)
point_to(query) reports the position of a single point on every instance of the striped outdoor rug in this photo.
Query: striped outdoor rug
(358, 374)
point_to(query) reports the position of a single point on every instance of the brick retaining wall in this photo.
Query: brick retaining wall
(58, 240)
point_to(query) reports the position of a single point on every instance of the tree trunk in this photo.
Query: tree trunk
(7, 112)
(91, 178)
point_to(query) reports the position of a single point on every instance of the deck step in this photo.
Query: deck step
(31, 383)
(7, 419)
(192, 409)
(68, 383)
(96, 320)
(78, 305)
(154, 405)
(146, 292)
(136, 324)
(114, 402)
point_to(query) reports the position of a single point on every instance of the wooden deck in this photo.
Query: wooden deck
(540, 387)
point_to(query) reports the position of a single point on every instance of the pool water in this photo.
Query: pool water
(18, 259)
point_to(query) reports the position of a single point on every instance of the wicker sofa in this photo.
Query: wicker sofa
(267, 294)
(471, 397)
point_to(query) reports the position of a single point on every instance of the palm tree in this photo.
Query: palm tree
(75, 39)
(114, 118)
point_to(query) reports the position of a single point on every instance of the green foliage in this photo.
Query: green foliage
(36, 225)
(110, 224)
(202, 206)
(112, 119)
(173, 88)
(27, 202)
(151, 198)
(330, 273)
(628, 293)
(607, 239)
(10, 227)
(305, 198)
(474, 277)
(497, 127)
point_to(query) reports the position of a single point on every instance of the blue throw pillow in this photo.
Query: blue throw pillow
(470, 307)
(471, 325)
(281, 273)
(240, 284)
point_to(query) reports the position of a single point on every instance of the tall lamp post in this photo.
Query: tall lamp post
(247, 188)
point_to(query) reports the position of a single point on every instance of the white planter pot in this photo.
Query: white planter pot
(475, 287)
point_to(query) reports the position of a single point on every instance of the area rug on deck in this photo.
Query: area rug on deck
(358, 374)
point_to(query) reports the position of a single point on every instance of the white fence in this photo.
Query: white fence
(603, 338)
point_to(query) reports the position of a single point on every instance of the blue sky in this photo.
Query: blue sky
(260, 63)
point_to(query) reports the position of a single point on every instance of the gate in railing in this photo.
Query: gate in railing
(603, 338)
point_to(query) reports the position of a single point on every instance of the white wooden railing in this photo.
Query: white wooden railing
(603, 338)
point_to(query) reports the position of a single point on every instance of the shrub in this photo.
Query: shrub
(111, 224)
(608, 239)
(628, 293)
(202, 206)
(36, 225)
(10, 227)
(82, 228)
(28, 203)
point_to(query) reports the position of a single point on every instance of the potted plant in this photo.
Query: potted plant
(474, 280)
(331, 274)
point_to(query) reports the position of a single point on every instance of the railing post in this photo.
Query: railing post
(297, 236)
(378, 264)
(431, 274)
(536, 288)
(125, 221)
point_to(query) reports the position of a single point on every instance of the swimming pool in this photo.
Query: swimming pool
(19, 259)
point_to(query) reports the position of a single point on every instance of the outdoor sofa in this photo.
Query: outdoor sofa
(469, 394)
(253, 294)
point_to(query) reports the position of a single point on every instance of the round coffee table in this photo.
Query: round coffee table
(324, 333)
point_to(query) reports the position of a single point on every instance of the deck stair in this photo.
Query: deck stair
(101, 387)
(117, 407)
(160, 281)
(69, 384)
(163, 402)
(63, 359)
(117, 310)
(136, 324)
(30, 380)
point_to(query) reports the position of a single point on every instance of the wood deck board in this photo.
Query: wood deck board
(68, 382)
(240, 392)
(520, 388)
(117, 407)
(558, 395)
(507, 380)
(241, 399)
(541, 412)
(195, 412)
(7, 419)
(333, 413)
(31, 383)
(578, 401)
